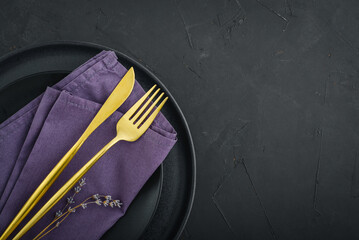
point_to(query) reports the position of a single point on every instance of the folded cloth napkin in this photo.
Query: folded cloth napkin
(36, 137)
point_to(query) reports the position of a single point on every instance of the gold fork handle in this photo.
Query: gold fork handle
(65, 188)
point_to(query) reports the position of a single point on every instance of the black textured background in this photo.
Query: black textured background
(270, 91)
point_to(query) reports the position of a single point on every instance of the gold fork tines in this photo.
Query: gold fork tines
(132, 125)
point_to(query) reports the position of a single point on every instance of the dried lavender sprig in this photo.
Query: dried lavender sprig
(70, 199)
(83, 204)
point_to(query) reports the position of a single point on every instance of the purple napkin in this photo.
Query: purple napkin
(36, 137)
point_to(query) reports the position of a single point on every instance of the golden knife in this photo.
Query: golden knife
(113, 102)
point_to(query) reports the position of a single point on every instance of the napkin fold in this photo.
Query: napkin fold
(34, 139)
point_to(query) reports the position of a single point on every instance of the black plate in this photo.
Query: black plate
(162, 207)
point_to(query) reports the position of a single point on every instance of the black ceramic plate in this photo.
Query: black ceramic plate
(162, 207)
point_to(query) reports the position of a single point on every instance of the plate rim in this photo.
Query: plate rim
(13, 53)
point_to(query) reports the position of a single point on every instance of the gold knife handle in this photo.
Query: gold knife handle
(65, 188)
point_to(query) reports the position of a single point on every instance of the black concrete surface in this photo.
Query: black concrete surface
(270, 91)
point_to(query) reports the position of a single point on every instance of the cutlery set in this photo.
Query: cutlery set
(131, 126)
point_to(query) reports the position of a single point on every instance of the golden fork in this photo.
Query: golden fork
(129, 128)
(113, 102)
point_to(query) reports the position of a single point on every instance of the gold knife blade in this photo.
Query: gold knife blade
(113, 102)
